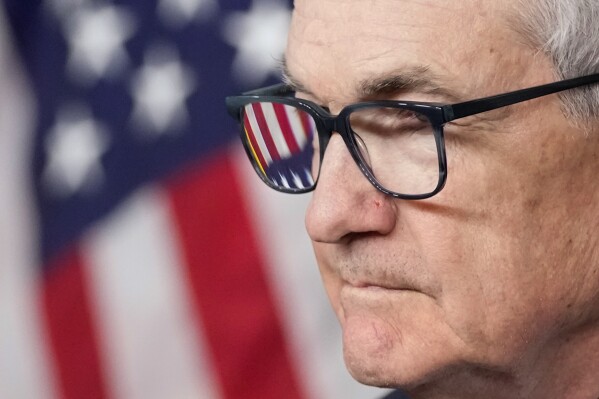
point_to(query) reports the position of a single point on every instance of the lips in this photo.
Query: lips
(372, 284)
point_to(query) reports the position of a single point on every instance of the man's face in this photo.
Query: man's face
(490, 274)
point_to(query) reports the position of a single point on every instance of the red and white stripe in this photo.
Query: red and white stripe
(277, 131)
(143, 305)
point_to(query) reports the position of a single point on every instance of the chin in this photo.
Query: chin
(382, 370)
(402, 374)
(406, 356)
(378, 375)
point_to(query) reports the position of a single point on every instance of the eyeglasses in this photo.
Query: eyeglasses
(398, 145)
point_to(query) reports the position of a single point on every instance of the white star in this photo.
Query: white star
(178, 13)
(160, 90)
(74, 147)
(260, 36)
(96, 36)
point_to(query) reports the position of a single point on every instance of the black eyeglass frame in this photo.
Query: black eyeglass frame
(438, 114)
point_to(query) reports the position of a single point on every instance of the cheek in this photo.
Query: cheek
(488, 298)
(495, 239)
(475, 237)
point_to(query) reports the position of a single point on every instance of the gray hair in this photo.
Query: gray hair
(567, 31)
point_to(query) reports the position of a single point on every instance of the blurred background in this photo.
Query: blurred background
(140, 257)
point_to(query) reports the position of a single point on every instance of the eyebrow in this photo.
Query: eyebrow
(418, 79)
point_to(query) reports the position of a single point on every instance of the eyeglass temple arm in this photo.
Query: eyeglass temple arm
(467, 108)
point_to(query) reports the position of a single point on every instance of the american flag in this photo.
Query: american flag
(140, 256)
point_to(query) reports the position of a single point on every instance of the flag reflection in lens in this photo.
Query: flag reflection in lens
(280, 138)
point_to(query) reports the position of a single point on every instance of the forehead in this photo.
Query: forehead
(336, 45)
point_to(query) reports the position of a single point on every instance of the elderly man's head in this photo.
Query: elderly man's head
(486, 285)
(496, 278)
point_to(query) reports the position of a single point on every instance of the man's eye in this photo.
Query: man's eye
(407, 118)
(389, 121)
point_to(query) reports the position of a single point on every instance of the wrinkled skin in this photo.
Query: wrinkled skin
(491, 288)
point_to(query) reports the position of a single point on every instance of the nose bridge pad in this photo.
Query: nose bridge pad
(363, 150)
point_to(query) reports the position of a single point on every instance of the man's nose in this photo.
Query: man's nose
(344, 202)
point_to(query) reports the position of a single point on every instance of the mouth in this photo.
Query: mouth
(365, 297)
(378, 285)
